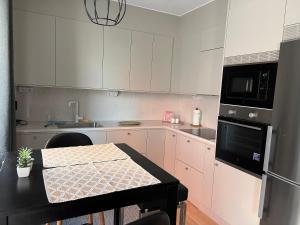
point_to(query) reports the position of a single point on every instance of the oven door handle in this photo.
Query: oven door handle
(240, 125)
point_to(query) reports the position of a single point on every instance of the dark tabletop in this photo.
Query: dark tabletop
(25, 198)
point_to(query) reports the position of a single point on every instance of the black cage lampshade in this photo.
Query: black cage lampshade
(105, 12)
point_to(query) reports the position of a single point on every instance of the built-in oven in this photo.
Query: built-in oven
(241, 140)
(249, 85)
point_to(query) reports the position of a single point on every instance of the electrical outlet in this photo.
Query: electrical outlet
(24, 89)
(112, 93)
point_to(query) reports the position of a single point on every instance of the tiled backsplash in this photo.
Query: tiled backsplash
(41, 104)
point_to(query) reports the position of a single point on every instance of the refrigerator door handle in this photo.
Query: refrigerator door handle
(262, 196)
(268, 148)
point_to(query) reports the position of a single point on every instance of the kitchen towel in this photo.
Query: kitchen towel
(69, 183)
(57, 157)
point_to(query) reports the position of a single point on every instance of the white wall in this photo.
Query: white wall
(36, 104)
(135, 19)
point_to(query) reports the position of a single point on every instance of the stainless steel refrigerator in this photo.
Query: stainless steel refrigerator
(7, 118)
(280, 196)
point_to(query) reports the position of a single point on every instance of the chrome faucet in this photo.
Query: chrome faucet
(76, 103)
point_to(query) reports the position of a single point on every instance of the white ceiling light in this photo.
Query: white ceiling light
(174, 7)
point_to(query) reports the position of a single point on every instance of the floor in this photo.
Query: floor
(195, 217)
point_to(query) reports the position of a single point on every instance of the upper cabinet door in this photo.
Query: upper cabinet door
(210, 67)
(34, 49)
(141, 60)
(254, 26)
(79, 52)
(292, 15)
(161, 64)
(116, 63)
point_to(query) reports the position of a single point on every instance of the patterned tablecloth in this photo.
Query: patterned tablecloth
(81, 181)
(57, 157)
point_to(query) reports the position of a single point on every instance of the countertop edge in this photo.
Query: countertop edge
(140, 127)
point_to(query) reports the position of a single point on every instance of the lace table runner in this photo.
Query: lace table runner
(56, 157)
(81, 181)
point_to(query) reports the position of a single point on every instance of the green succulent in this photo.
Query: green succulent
(24, 157)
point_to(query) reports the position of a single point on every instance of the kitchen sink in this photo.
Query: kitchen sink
(80, 125)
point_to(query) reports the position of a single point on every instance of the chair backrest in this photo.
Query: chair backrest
(68, 140)
(160, 218)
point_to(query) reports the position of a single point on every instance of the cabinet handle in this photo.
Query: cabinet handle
(34, 137)
(216, 164)
(186, 168)
(129, 133)
(173, 135)
(208, 148)
(188, 141)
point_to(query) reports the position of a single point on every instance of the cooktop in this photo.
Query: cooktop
(206, 133)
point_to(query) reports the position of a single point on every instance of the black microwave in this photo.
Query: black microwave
(249, 85)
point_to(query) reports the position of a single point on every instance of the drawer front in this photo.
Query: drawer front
(192, 179)
(182, 173)
(190, 152)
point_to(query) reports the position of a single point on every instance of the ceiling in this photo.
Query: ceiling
(174, 7)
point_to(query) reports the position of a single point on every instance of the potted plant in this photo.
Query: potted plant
(25, 162)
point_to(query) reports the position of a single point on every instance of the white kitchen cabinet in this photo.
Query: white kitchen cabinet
(192, 179)
(156, 146)
(161, 64)
(116, 62)
(208, 176)
(97, 137)
(292, 15)
(137, 139)
(170, 152)
(195, 167)
(34, 49)
(190, 152)
(33, 140)
(79, 51)
(210, 68)
(197, 72)
(235, 195)
(254, 26)
(141, 60)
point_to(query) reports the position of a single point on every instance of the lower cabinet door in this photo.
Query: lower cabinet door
(235, 195)
(170, 152)
(136, 139)
(97, 137)
(156, 146)
(33, 140)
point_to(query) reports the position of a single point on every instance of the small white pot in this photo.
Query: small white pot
(23, 172)
(31, 165)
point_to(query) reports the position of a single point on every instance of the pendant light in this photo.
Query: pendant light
(104, 12)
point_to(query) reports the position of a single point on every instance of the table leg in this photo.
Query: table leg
(170, 204)
(119, 216)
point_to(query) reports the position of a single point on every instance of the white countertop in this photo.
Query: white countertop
(38, 127)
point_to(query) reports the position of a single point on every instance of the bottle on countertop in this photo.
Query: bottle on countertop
(197, 116)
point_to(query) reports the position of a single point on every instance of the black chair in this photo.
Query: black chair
(72, 140)
(68, 140)
(182, 195)
(160, 218)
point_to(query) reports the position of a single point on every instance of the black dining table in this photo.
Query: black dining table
(23, 201)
